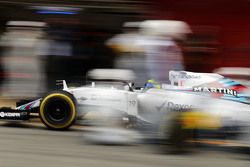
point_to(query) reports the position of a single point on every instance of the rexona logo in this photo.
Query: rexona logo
(168, 105)
(215, 90)
(8, 114)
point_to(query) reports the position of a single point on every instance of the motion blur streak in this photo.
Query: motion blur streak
(43, 41)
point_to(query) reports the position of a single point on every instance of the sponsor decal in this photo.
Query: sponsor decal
(82, 98)
(9, 114)
(104, 98)
(184, 75)
(173, 106)
(215, 90)
(98, 98)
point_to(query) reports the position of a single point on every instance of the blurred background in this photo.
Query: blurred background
(42, 41)
(69, 42)
(64, 39)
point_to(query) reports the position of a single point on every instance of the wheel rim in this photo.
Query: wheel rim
(57, 111)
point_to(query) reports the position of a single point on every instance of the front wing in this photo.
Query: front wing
(13, 114)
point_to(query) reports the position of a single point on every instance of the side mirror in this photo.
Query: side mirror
(131, 84)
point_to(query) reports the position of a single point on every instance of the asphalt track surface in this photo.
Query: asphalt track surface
(32, 145)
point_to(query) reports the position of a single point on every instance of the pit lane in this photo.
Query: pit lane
(31, 144)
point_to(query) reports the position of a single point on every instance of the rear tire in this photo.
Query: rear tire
(175, 137)
(58, 110)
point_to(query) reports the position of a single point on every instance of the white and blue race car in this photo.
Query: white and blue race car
(207, 92)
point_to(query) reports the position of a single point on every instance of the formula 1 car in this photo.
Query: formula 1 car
(203, 91)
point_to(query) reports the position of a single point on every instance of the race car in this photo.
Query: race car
(206, 92)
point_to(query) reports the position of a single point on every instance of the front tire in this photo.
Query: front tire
(58, 110)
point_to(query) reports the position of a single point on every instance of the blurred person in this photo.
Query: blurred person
(59, 53)
(23, 45)
(129, 53)
(162, 47)
(1, 66)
